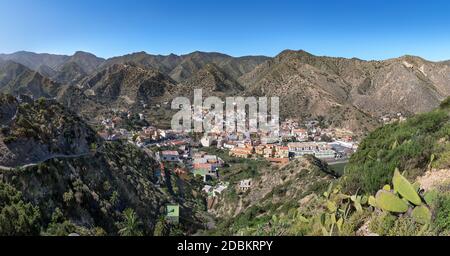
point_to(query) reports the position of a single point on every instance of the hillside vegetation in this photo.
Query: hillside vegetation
(398, 183)
(97, 188)
(275, 192)
(420, 143)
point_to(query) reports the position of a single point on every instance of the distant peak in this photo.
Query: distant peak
(303, 52)
(197, 52)
(295, 52)
(410, 58)
(140, 53)
(83, 53)
(200, 53)
(292, 54)
(24, 52)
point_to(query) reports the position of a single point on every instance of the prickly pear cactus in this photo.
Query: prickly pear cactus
(405, 189)
(373, 201)
(421, 214)
(388, 201)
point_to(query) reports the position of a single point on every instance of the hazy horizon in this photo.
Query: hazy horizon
(250, 55)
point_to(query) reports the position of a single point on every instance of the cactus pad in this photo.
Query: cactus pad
(405, 189)
(390, 202)
(421, 214)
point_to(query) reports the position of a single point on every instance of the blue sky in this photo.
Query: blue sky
(376, 29)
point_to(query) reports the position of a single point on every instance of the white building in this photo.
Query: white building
(219, 189)
(318, 149)
(206, 141)
(245, 185)
(170, 156)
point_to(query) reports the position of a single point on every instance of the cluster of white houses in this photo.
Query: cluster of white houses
(289, 142)
(320, 150)
(185, 156)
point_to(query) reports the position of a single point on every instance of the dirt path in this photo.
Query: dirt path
(434, 178)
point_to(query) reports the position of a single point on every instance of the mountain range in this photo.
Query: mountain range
(59, 177)
(347, 93)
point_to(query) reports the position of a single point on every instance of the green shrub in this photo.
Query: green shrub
(17, 218)
(445, 103)
(161, 228)
(442, 212)
(354, 223)
(407, 146)
(381, 224)
(9, 139)
(68, 197)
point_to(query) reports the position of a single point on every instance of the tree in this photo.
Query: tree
(130, 226)
(17, 218)
(161, 228)
(445, 104)
(114, 199)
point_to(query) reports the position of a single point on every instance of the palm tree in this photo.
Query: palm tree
(130, 225)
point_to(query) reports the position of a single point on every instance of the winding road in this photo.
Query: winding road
(55, 156)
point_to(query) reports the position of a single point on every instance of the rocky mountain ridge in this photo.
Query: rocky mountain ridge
(347, 93)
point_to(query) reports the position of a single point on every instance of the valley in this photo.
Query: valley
(86, 146)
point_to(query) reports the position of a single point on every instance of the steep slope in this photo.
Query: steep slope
(86, 186)
(183, 67)
(17, 79)
(76, 68)
(193, 62)
(41, 130)
(69, 73)
(324, 86)
(237, 67)
(46, 71)
(163, 64)
(73, 98)
(414, 146)
(446, 62)
(127, 85)
(9, 71)
(88, 62)
(119, 87)
(213, 81)
(88, 195)
(8, 109)
(34, 60)
(272, 193)
(61, 68)
(407, 84)
(348, 93)
(307, 90)
(302, 199)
